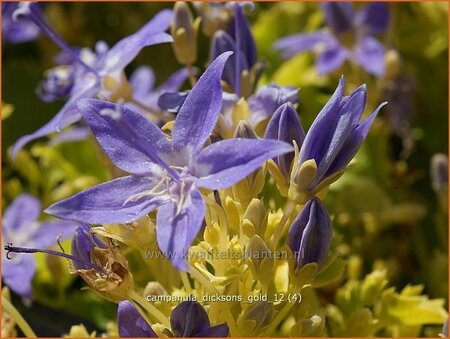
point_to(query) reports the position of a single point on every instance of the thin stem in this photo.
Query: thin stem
(192, 78)
(281, 226)
(185, 281)
(279, 317)
(150, 308)
(38, 18)
(21, 322)
(201, 279)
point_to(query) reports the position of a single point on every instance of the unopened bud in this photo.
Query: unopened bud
(184, 32)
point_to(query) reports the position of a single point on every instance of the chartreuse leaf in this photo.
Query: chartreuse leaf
(408, 309)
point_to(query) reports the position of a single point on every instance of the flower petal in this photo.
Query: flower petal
(176, 231)
(70, 135)
(268, 99)
(226, 162)
(65, 117)
(189, 319)
(318, 133)
(369, 53)
(285, 126)
(331, 58)
(199, 113)
(47, 233)
(24, 210)
(18, 273)
(303, 42)
(123, 52)
(353, 143)
(374, 17)
(110, 203)
(130, 322)
(218, 331)
(339, 15)
(132, 142)
(346, 119)
(142, 81)
(172, 101)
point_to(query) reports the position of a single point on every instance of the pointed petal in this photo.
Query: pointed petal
(71, 135)
(303, 42)
(109, 203)
(346, 119)
(175, 232)
(218, 331)
(24, 210)
(123, 52)
(339, 15)
(243, 36)
(132, 142)
(226, 162)
(47, 233)
(142, 80)
(65, 117)
(285, 126)
(18, 274)
(369, 53)
(223, 42)
(130, 322)
(374, 17)
(353, 143)
(324, 122)
(331, 58)
(199, 113)
(188, 319)
(83, 243)
(298, 227)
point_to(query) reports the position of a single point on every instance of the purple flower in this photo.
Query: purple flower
(16, 30)
(165, 175)
(268, 99)
(285, 126)
(336, 134)
(90, 74)
(20, 226)
(310, 234)
(242, 70)
(142, 82)
(188, 319)
(332, 47)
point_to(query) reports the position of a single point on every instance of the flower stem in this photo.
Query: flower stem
(281, 226)
(149, 307)
(279, 317)
(21, 322)
(192, 78)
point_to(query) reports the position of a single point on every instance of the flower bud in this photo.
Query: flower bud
(245, 130)
(154, 288)
(285, 126)
(255, 219)
(184, 32)
(215, 16)
(255, 318)
(310, 234)
(260, 259)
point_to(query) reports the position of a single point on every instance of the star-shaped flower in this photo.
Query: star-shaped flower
(92, 74)
(166, 174)
(351, 38)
